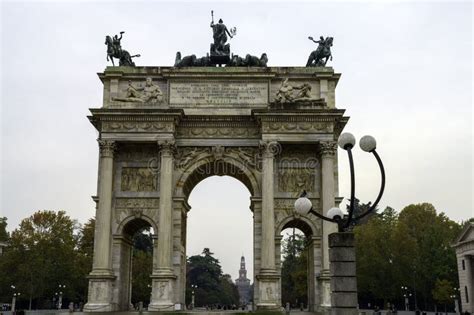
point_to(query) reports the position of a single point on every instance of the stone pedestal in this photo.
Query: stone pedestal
(343, 274)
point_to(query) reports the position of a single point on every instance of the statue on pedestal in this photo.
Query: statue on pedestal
(114, 50)
(320, 56)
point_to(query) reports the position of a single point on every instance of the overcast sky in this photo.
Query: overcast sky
(406, 79)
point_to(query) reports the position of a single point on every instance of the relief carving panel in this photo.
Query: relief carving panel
(138, 179)
(296, 179)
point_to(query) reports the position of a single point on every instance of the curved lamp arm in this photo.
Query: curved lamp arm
(351, 207)
(382, 186)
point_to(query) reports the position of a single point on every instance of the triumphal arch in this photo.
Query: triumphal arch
(164, 129)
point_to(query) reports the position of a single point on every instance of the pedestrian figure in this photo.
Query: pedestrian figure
(287, 308)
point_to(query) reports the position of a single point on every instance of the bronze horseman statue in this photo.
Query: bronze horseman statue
(114, 50)
(320, 56)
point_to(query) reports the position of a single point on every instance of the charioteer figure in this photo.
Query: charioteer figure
(116, 43)
(220, 50)
(320, 56)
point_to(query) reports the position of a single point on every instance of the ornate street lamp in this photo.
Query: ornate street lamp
(346, 141)
(193, 286)
(60, 300)
(15, 296)
(406, 295)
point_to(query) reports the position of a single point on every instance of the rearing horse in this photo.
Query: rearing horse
(124, 57)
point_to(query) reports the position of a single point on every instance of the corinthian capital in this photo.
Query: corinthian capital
(107, 148)
(270, 148)
(167, 146)
(327, 148)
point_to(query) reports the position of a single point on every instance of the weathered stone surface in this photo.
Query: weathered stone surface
(344, 284)
(341, 240)
(342, 255)
(344, 299)
(342, 268)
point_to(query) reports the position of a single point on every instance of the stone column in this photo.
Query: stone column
(328, 151)
(343, 274)
(163, 276)
(101, 277)
(268, 278)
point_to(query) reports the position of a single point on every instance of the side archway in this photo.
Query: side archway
(123, 251)
(313, 254)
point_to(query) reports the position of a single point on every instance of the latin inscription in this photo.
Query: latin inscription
(216, 93)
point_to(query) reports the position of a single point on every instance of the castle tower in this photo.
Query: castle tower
(243, 283)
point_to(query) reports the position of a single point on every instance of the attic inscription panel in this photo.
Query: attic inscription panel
(204, 93)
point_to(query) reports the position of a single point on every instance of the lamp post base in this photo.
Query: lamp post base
(343, 274)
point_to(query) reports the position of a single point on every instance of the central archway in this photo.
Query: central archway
(220, 220)
(205, 166)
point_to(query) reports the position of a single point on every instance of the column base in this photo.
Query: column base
(268, 290)
(100, 292)
(162, 293)
(325, 289)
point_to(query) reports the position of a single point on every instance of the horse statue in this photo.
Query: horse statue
(115, 51)
(254, 61)
(191, 61)
(322, 54)
(248, 61)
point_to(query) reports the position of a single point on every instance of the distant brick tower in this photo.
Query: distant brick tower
(243, 283)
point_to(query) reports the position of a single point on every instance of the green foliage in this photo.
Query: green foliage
(443, 291)
(294, 270)
(410, 249)
(42, 254)
(4, 236)
(142, 264)
(213, 287)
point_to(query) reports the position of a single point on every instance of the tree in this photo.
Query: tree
(42, 254)
(359, 209)
(435, 258)
(294, 272)
(380, 251)
(4, 236)
(213, 287)
(84, 256)
(142, 264)
(442, 292)
(409, 249)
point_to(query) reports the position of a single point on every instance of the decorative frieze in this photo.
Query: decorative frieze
(137, 126)
(135, 203)
(297, 127)
(217, 132)
(187, 155)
